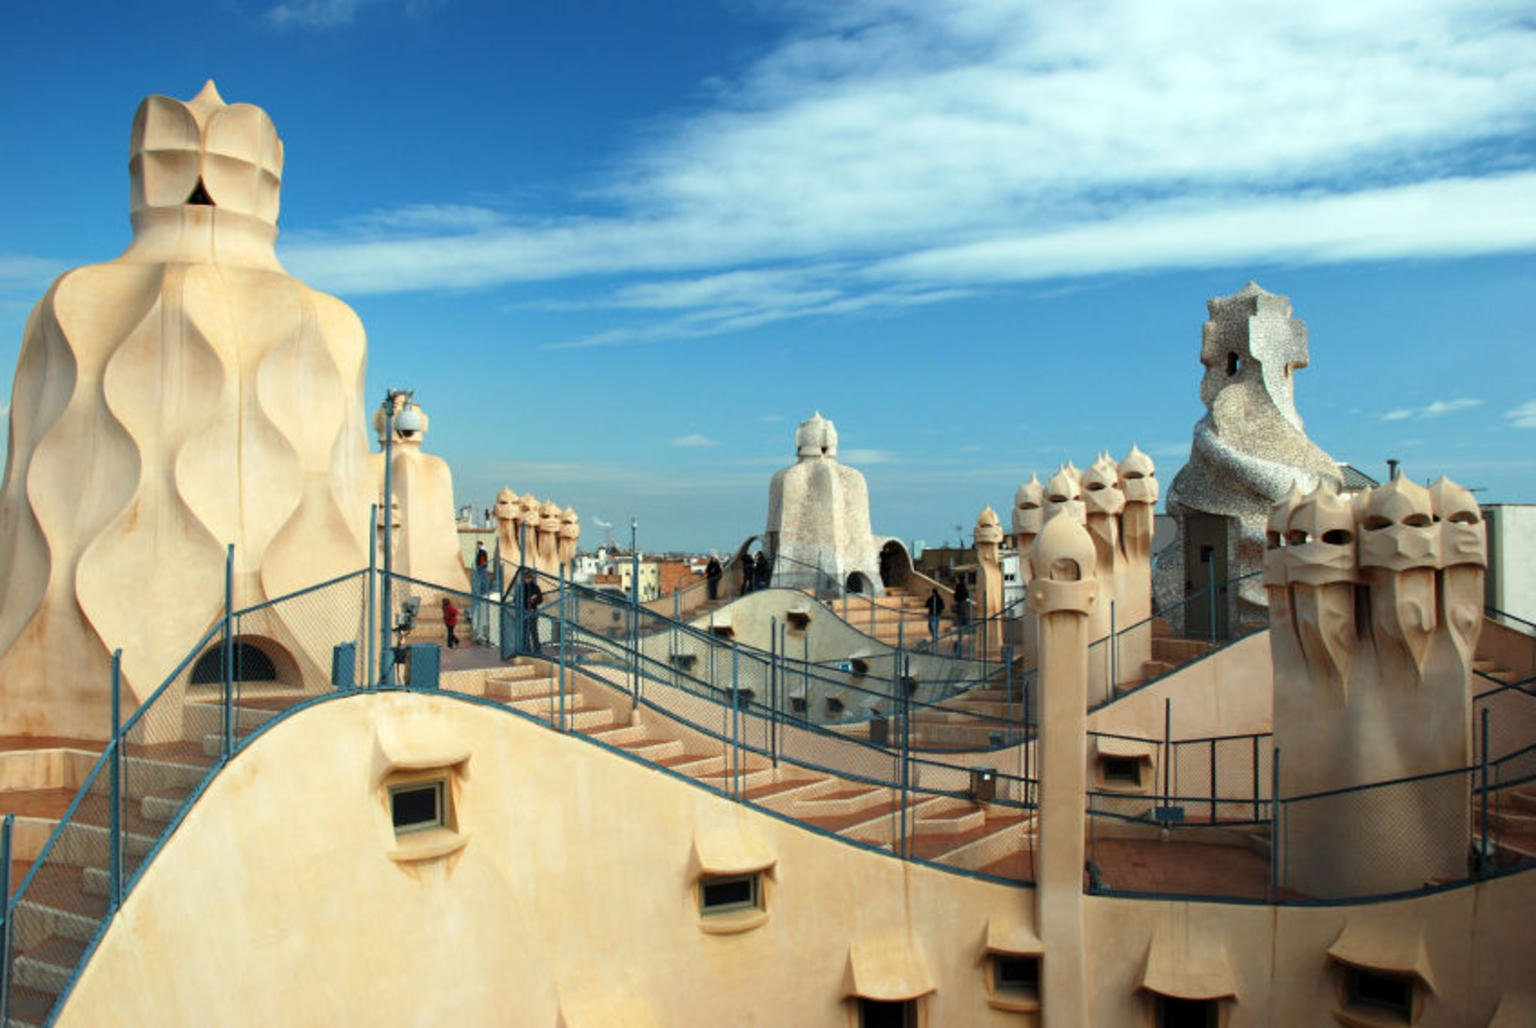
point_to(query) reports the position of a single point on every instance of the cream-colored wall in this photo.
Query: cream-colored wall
(1227, 693)
(276, 903)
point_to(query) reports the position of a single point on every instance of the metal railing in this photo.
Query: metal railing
(742, 701)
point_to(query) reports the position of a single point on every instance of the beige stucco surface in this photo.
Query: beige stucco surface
(277, 902)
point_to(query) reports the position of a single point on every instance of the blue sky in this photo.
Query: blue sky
(620, 249)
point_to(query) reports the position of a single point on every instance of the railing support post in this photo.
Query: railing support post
(114, 791)
(373, 585)
(228, 730)
(1213, 781)
(735, 721)
(1482, 849)
(1167, 751)
(6, 827)
(1276, 848)
(773, 690)
(561, 625)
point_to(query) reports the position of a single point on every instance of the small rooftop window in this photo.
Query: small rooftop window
(416, 807)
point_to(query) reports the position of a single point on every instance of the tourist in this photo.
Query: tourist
(746, 573)
(935, 605)
(712, 573)
(763, 571)
(962, 603)
(451, 621)
(529, 598)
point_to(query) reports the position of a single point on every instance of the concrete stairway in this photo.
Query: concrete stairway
(943, 828)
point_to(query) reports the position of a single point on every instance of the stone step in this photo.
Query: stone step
(749, 778)
(849, 799)
(48, 966)
(997, 837)
(499, 686)
(205, 718)
(653, 750)
(29, 1008)
(692, 764)
(621, 734)
(951, 817)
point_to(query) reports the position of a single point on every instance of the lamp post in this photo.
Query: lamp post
(407, 419)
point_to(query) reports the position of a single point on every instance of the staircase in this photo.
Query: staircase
(69, 898)
(942, 828)
(896, 616)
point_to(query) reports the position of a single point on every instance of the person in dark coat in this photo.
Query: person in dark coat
(764, 570)
(712, 573)
(529, 597)
(935, 605)
(962, 603)
(747, 572)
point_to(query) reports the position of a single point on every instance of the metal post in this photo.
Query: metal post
(6, 827)
(735, 722)
(115, 785)
(634, 604)
(1213, 781)
(373, 562)
(517, 585)
(561, 626)
(386, 601)
(1482, 849)
(1167, 749)
(1275, 847)
(906, 754)
(773, 690)
(227, 742)
(1255, 777)
(1026, 740)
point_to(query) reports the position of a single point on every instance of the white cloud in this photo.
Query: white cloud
(866, 456)
(1523, 416)
(329, 13)
(692, 439)
(1435, 409)
(888, 150)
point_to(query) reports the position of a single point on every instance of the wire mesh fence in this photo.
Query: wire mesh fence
(871, 734)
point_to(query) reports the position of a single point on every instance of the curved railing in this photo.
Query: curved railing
(162, 757)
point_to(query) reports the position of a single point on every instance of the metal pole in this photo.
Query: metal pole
(1482, 849)
(1274, 825)
(562, 645)
(226, 746)
(5, 917)
(1213, 781)
(906, 754)
(735, 722)
(634, 600)
(773, 689)
(1167, 749)
(1255, 777)
(115, 815)
(387, 664)
(373, 563)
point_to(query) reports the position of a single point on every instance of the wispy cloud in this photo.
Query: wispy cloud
(329, 13)
(692, 439)
(1523, 416)
(866, 456)
(893, 152)
(1436, 409)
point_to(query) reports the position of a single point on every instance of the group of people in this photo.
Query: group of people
(756, 572)
(528, 597)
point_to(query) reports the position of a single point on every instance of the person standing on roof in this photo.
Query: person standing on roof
(935, 605)
(712, 573)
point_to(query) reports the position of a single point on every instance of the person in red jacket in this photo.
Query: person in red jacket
(451, 621)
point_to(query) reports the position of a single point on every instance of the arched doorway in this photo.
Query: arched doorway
(255, 659)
